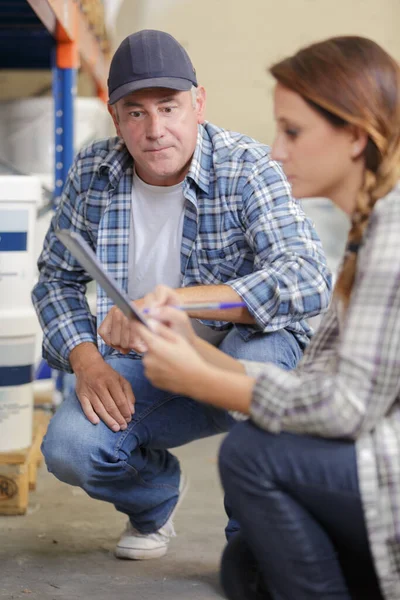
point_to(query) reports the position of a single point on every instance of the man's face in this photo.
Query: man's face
(159, 128)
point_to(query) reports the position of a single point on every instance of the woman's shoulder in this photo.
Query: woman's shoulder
(382, 235)
(389, 205)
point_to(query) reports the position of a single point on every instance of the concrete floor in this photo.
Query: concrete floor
(63, 547)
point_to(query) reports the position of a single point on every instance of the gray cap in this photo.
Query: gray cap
(148, 59)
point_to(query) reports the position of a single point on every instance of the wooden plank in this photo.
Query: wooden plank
(40, 422)
(14, 489)
(43, 392)
(16, 457)
(45, 13)
(18, 476)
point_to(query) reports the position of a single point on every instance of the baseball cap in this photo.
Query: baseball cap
(146, 59)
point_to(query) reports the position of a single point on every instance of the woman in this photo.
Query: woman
(314, 474)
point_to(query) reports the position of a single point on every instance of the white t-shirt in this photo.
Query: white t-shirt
(155, 238)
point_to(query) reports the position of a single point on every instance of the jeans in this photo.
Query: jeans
(298, 503)
(284, 355)
(133, 469)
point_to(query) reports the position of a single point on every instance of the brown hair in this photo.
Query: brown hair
(352, 80)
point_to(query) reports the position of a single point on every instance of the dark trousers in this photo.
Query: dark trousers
(298, 504)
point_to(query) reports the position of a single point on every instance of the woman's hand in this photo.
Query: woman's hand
(121, 333)
(176, 320)
(170, 362)
(161, 303)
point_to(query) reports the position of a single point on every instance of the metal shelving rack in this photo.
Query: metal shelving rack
(54, 34)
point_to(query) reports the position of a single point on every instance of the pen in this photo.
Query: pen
(207, 306)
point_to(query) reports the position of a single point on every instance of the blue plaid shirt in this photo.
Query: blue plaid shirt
(241, 228)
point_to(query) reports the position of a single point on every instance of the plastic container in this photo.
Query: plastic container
(19, 197)
(18, 323)
(17, 349)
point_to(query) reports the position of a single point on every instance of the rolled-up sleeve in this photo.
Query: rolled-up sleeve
(59, 295)
(291, 280)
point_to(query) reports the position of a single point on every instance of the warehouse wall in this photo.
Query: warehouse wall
(231, 42)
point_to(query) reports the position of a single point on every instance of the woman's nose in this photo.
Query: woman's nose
(278, 150)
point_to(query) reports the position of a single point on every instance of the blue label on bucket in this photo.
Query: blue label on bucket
(13, 241)
(10, 376)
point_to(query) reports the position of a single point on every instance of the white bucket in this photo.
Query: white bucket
(18, 322)
(16, 414)
(17, 350)
(18, 199)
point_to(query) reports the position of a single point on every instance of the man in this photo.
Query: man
(178, 201)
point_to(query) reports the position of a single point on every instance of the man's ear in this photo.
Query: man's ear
(359, 141)
(201, 104)
(114, 115)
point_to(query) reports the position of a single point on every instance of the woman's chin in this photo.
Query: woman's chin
(302, 191)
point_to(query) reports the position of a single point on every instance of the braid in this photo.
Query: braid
(376, 186)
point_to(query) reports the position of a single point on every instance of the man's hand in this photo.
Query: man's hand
(103, 393)
(121, 333)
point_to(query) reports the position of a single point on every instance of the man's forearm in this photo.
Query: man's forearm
(82, 355)
(215, 293)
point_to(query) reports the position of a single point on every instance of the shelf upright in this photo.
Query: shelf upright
(66, 64)
(75, 44)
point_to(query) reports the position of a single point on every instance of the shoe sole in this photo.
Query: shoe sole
(142, 553)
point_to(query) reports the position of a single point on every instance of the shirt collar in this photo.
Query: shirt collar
(116, 162)
(199, 170)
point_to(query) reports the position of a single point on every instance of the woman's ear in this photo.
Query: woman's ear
(359, 141)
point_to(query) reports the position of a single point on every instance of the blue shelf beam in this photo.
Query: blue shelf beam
(64, 86)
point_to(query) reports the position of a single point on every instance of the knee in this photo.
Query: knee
(226, 451)
(246, 454)
(234, 453)
(66, 454)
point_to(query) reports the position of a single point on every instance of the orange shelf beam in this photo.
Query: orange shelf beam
(64, 20)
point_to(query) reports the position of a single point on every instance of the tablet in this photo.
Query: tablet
(83, 253)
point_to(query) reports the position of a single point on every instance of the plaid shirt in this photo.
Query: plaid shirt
(347, 385)
(241, 227)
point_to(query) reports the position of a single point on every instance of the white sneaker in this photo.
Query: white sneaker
(141, 546)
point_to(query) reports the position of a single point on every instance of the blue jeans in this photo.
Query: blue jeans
(298, 503)
(133, 469)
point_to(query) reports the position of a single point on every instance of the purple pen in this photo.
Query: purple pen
(208, 306)
(211, 305)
